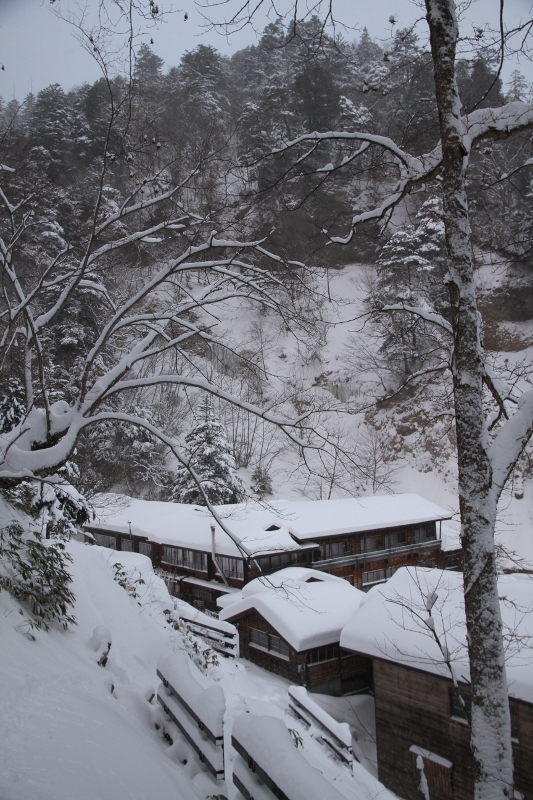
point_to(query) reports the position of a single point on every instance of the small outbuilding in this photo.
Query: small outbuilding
(422, 718)
(290, 623)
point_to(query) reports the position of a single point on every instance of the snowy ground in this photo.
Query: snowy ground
(72, 729)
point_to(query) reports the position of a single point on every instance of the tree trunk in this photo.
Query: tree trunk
(491, 727)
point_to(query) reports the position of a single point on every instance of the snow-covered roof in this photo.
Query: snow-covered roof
(305, 520)
(349, 515)
(306, 607)
(389, 625)
(189, 526)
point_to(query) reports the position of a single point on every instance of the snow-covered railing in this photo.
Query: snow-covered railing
(269, 767)
(198, 712)
(221, 636)
(336, 735)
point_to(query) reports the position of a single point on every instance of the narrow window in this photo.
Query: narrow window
(461, 705)
(106, 541)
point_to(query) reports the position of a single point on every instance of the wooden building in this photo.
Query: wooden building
(422, 721)
(290, 624)
(362, 540)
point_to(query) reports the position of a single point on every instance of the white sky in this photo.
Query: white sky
(37, 50)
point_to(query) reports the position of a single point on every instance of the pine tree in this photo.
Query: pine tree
(519, 88)
(212, 461)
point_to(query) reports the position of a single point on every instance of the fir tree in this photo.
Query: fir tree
(211, 459)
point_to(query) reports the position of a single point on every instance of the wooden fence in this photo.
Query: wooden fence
(198, 712)
(335, 735)
(221, 636)
(269, 767)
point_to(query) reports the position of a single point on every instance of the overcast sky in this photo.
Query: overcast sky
(36, 49)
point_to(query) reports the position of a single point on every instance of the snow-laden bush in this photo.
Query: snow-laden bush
(56, 506)
(35, 572)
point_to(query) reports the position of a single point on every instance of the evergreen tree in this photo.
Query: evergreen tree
(12, 405)
(519, 88)
(410, 270)
(211, 459)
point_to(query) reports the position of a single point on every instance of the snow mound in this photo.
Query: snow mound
(269, 743)
(69, 728)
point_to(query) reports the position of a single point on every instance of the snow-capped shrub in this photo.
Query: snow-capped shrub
(35, 573)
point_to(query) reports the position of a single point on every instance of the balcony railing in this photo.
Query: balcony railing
(377, 555)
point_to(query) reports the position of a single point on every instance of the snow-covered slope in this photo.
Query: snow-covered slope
(70, 729)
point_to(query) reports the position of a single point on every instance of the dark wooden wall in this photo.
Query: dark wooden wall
(414, 708)
(272, 663)
(334, 676)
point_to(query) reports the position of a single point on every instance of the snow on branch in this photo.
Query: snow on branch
(200, 383)
(511, 440)
(423, 313)
(413, 170)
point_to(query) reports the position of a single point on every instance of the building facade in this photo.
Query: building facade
(363, 540)
(420, 715)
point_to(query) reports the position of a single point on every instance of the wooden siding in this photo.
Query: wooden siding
(414, 708)
(330, 676)
(307, 557)
(271, 662)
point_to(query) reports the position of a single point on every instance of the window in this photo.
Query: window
(514, 723)
(179, 557)
(395, 539)
(369, 543)
(335, 549)
(268, 641)
(282, 560)
(263, 563)
(319, 654)
(145, 548)
(127, 545)
(259, 638)
(424, 533)
(376, 575)
(106, 541)
(232, 567)
(278, 645)
(461, 708)
(461, 703)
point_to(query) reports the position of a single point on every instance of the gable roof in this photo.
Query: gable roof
(389, 625)
(306, 607)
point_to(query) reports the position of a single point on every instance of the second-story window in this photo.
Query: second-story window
(423, 533)
(179, 557)
(336, 549)
(232, 567)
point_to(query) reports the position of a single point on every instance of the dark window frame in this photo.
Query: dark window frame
(269, 643)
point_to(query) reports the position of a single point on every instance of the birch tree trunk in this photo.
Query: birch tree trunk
(491, 727)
